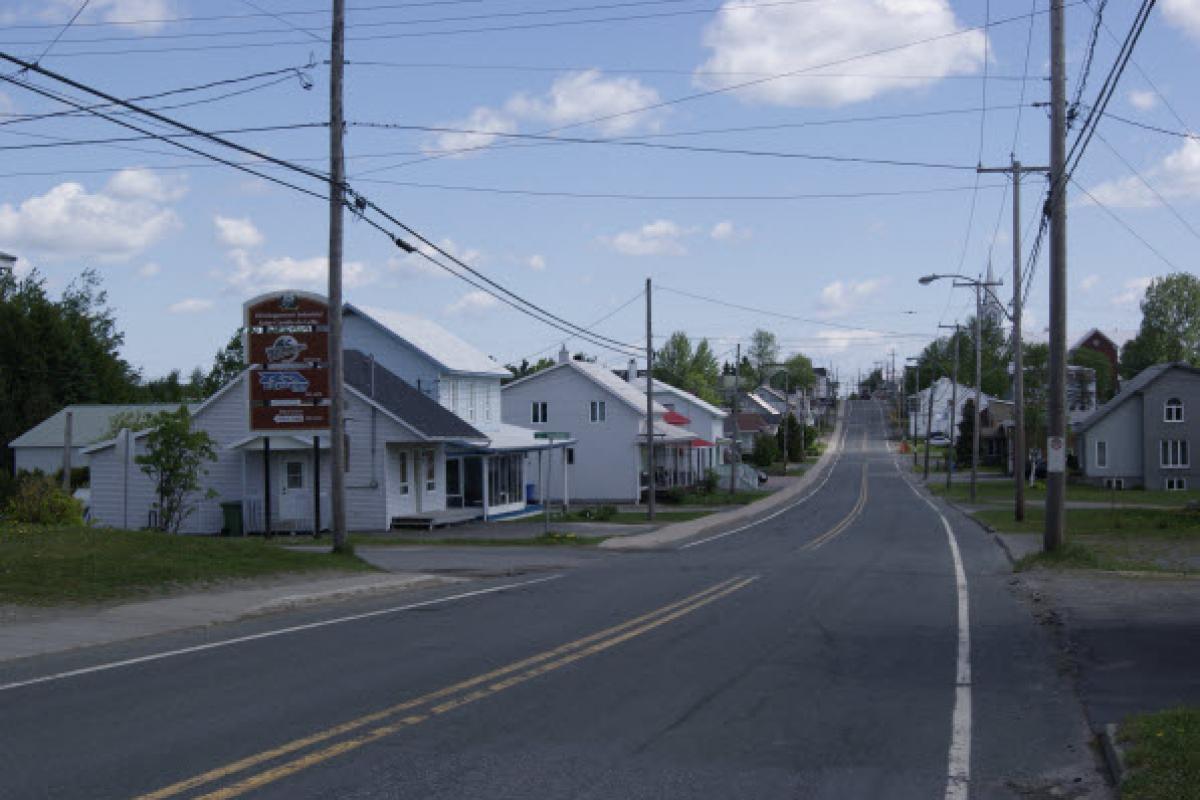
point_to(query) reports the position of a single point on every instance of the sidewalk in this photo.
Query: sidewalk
(671, 534)
(38, 631)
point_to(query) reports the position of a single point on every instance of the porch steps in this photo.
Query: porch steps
(437, 519)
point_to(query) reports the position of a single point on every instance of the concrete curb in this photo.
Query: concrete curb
(679, 531)
(401, 583)
(1114, 755)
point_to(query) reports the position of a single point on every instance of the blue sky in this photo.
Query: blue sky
(180, 245)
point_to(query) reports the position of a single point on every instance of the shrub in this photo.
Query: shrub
(766, 451)
(39, 501)
(599, 513)
(709, 483)
(675, 495)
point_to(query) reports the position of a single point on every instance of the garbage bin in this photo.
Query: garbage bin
(232, 513)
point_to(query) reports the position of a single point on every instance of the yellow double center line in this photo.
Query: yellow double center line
(412, 712)
(846, 522)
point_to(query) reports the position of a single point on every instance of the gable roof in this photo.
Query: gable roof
(432, 340)
(601, 376)
(1134, 385)
(421, 413)
(688, 396)
(89, 422)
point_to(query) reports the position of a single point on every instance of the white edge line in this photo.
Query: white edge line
(785, 509)
(75, 673)
(958, 773)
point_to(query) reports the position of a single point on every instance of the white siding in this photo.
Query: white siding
(45, 459)
(400, 359)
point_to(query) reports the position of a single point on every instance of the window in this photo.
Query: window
(1101, 454)
(1173, 453)
(430, 459)
(598, 411)
(403, 469)
(471, 401)
(294, 475)
(570, 455)
(1176, 484)
(1173, 410)
(539, 412)
(1114, 483)
(487, 403)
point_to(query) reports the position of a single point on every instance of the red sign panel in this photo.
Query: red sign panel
(287, 348)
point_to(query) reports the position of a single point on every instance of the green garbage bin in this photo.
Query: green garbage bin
(232, 513)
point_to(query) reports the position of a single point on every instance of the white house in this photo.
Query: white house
(605, 417)
(41, 447)
(414, 455)
(943, 392)
(706, 420)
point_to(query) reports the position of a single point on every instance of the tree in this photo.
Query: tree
(799, 371)
(764, 350)
(1105, 385)
(795, 438)
(524, 369)
(228, 363)
(174, 460)
(133, 420)
(1170, 329)
(693, 371)
(766, 451)
(966, 433)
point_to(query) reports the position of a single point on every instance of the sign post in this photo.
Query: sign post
(287, 351)
(552, 437)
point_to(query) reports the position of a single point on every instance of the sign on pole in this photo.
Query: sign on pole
(287, 351)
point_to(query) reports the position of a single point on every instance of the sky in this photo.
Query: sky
(851, 176)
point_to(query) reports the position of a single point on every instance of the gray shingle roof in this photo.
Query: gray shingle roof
(1132, 387)
(422, 413)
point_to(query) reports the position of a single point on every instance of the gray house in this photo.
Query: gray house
(1143, 436)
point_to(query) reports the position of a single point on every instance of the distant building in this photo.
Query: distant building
(1098, 341)
(7, 263)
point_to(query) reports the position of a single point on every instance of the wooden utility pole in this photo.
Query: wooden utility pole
(953, 405)
(1016, 169)
(649, 403)
(1056, 449)
(734, 455)
(337, 180)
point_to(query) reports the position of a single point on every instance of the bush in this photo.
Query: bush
(766, 451)
(39, 501)
(599, 513)
(709, 483)
(674, 495)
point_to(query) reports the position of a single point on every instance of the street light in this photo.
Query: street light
(979, 287)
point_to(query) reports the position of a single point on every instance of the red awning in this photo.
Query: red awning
(675, 418)
(701, 443)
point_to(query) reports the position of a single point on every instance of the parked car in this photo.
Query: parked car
(939, 440)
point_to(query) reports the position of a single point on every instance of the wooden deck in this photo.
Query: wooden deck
(438, 519)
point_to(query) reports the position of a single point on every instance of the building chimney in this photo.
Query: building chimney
(631, 375)
(563, 355)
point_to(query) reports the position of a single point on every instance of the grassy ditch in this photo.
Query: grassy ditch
(1163, 755)
(552, 539)
(77, 564)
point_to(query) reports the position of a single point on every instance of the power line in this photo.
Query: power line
(962, 256)
(1174, 211)
(1126, 226)
(1154, 128)
(640, 294)
(284, 20)
(65, 142)
(61, 32)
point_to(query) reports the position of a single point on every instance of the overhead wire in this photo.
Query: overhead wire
(1149, 186)
(61, 32)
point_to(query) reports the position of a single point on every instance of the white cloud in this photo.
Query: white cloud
(254, 276)
(727, 231)
(123, 219)
(1089, 282)
(1183, 14)
(774, 39)
(844, 340)
(477, 300)
(580, 96)
(139, 183)
(416, 265)
(1135, 290)
(536, 262)
(147, 14)
(1142, 100)
(149, 270)
(1176, 176)
(234, 232)
(659, 238)
(478, 130)
(192, 305)
(840, 297)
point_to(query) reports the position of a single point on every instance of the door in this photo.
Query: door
(294, 502)
(454, 483)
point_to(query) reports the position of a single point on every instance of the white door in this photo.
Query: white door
(295, 496)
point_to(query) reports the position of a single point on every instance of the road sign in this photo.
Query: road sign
(1056, 454)
(287, 350)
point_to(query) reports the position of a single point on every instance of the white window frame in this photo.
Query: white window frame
(471, 401)
(1175, 483)
(1101, 447)
(1174, 454)
(597, 411)
(540, 413)
(487, 403)
(1173, 410)
(404, 483)
(430, 459)
(287, 475)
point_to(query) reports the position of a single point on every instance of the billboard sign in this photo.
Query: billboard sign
(287, 350)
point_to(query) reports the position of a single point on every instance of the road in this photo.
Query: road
(841, 649)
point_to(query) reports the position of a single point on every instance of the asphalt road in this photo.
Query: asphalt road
(823, 653)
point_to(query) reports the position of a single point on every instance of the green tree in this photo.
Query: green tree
(694, 371)
(1105, 385)
(799, 371)
(228, 363)
(795, 438)
(174, 459)
(764, 350)
(766, 451)
(133, 420)
(1170, 329)
(525, 369)
(966, 432)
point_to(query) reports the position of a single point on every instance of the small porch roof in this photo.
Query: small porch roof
(665, 432)
(279, 442)
(508, 439)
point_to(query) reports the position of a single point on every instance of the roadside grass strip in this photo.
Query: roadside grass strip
(353, 734)
(1163, 755)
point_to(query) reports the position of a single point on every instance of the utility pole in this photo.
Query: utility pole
(1017, 170)
(787, 413)
(734, 455)
(953, 406)
(337, 180)
(929, 423)
(649, 405)
(1057, 406)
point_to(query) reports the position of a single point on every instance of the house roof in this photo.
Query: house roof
(666, 432)
(431, 339)
(688, 396)
(748, 422)
(421, 413)
(89, 422)
(762, 406)
(1134, 385)
(601, 376)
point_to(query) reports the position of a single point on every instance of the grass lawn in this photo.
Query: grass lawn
(1163, 755)
(720, 499)
(1168, 523)
(1002, 491)
(53, 565)
(552, 539)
